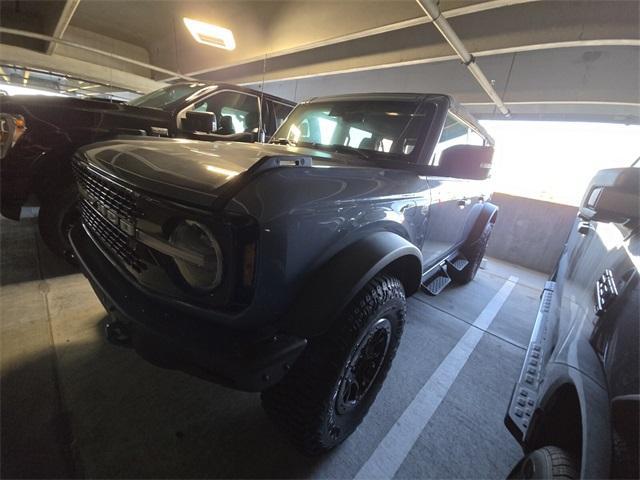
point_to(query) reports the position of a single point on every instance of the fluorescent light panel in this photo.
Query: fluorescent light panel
(211, 35)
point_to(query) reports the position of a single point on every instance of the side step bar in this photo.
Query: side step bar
(458, 263)
(437, 282)
(434, 285)
(524, 399)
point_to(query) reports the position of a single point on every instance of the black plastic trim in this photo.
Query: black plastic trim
(240, 359)
(342, 277)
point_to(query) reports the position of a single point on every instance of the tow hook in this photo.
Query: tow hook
(118, 333)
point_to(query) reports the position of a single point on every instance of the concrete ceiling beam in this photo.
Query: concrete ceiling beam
(68, 10)
(432, 10)
(24, 33)
(505, 30)
(456, 12)
(10, 55)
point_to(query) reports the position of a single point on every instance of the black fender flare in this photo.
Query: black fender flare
(480, 216)
(333, 285)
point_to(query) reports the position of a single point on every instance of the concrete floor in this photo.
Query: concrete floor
(76, 406)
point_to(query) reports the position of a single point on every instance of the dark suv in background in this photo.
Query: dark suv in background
(39, 135)
(575, 406)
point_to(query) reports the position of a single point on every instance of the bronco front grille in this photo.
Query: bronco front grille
(108, 210)
(114, 197)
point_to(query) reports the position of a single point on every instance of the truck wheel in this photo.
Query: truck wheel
(58, 213)
(330, 388)
(546, 462)
(474, 254)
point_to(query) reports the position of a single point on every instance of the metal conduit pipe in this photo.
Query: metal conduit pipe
(38, 36)
(432, 10)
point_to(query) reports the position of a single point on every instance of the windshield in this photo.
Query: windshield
(161, 99)
(372, 126)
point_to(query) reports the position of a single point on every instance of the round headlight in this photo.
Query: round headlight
(200, 263)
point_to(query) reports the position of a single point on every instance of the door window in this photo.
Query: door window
(455, 132)
(235, 112)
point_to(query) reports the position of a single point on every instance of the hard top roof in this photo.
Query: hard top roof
(454, 106)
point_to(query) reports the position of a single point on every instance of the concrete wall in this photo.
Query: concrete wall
(529, 232)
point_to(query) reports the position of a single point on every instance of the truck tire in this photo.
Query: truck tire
(58, 213)
(330, 388)
(474, 254)
(546, 462)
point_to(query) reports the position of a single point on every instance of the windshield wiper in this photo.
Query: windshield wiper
(282, 141)
(336, 147)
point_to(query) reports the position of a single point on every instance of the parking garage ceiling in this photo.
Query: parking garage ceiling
(544, 57)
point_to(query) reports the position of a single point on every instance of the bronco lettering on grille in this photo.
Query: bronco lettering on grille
(127, 225)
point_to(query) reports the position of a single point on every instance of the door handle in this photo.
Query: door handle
(584, 228)
(464, 202)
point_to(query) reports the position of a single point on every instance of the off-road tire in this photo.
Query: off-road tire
(474, 254)
(546, 462)
(58, 213)
(306, 403)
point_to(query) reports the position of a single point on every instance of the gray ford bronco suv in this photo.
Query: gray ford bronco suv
(576, 406)
(284, 267)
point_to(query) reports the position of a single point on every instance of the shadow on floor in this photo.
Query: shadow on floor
(21, 242)
(132, 420)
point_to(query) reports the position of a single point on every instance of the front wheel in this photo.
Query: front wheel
(331, 387)
(546, 463)
(58, 214)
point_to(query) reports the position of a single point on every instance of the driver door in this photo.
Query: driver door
(451, 198)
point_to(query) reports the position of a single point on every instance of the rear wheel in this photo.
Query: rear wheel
(474, 254)
(331, 387)
(546, 462)
(58, 213)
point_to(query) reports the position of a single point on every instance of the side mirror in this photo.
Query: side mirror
(613, 196)
(200, 122)
(465, 161)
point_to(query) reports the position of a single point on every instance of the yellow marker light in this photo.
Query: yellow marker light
(211, 35)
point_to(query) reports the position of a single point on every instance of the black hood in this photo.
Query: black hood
(69, 114)
(45, 102)
(177, 168)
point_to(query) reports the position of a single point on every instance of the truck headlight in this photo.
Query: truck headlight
(12, 127)
(199, 260)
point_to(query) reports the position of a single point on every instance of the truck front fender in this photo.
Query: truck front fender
(330, 288)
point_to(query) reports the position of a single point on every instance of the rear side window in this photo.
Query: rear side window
(455, 132)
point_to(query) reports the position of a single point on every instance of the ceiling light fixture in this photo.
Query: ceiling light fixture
(26, 77)
(211, 35)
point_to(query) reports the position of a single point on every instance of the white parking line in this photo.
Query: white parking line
(386, 459)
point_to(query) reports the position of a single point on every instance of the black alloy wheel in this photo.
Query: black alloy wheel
(331, 387)
(363, 366)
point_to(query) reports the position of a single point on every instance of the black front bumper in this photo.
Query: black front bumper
(163, 334)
